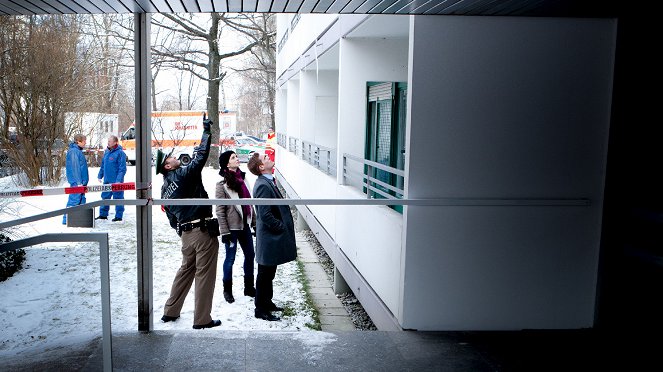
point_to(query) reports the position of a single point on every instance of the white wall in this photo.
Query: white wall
(281, 111)
(319, 107)
(293, 112)
(505, 108)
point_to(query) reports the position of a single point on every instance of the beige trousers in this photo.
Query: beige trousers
(200, 252)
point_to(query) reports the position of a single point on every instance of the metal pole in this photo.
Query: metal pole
(105, 303)
(143, 168)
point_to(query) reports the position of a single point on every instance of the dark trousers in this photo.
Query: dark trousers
(264, 288)
(245, 240)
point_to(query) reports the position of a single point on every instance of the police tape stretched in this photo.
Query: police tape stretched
(69, 190)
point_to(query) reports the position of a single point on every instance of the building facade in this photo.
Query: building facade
(501, 123)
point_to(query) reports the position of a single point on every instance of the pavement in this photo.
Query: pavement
(339, 347)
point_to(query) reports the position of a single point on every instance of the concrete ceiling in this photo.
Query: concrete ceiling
(574, 8)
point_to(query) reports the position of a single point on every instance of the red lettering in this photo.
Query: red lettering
(75, 190)
(124, 186)
(32, 193)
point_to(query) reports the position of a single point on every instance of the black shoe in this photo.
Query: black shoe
(266, 315)
(101, 218)
(167, 318)
(228, 291)
(228, 296)
(213, 323)
(274, 307)
(116, 219)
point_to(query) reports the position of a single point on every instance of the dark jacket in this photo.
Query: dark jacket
(186, 183)
(76, 165)
(275, 229)
(113, 165)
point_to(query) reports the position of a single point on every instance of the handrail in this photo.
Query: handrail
(373, 164)
(102, 239)
(370, 182)
(311, 154)
(420, 202)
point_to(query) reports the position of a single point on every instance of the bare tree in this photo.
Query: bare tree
(202, 55)
(43, 77)
(109, 38)
(258, 74)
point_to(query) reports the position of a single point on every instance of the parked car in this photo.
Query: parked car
(246, 146)
(257, 139)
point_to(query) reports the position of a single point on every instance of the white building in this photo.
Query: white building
(502, 122)
(96, 126)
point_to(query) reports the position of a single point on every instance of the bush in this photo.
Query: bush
(10, 262)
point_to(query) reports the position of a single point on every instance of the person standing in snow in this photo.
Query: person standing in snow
(112, 170)
(77, 172)
(235, 223)
(275, 235)
(198, 230)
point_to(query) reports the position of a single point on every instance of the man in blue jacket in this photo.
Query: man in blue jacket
(112, 170)
(77, 173)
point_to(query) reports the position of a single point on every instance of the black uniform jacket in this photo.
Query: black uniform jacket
(186, 183)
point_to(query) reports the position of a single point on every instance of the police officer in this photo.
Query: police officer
(198, 230)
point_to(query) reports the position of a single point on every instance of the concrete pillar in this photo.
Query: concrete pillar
(340, 285)
(301, 222)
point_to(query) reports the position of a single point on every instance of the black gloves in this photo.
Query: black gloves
(225, 239)
(207, 124)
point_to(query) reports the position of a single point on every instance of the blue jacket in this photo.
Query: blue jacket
(113, 165)
(76, 165)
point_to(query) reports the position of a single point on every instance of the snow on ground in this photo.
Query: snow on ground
(55, 300)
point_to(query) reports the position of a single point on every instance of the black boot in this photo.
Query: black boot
(249, 289)
(228, 291)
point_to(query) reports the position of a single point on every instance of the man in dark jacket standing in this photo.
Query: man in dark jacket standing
(112, 170)
(198, 230)
(275, 235)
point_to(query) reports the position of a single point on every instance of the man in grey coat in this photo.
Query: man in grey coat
(275, 235)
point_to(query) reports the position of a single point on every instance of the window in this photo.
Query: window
(385, 135)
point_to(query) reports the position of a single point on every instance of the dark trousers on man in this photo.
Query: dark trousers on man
(264, 288)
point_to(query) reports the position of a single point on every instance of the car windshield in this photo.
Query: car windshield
(244, 141)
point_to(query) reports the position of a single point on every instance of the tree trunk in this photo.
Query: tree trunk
(213, 84)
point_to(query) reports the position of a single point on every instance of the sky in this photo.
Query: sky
(55, 299)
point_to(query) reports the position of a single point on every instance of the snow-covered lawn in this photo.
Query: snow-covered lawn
(55, 299)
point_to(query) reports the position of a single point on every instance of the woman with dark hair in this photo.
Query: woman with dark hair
(235, 223)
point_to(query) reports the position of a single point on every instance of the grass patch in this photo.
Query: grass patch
(301, 277)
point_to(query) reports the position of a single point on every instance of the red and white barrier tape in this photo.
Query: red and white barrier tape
(69, 190)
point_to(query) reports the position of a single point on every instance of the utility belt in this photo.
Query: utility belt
(210, 224)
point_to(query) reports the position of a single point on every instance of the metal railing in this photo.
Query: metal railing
(102, 240)
(320, 157)
(293, 144)
(281, 139)
(375, 179)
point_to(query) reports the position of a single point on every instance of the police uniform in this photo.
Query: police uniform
(199, 234)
